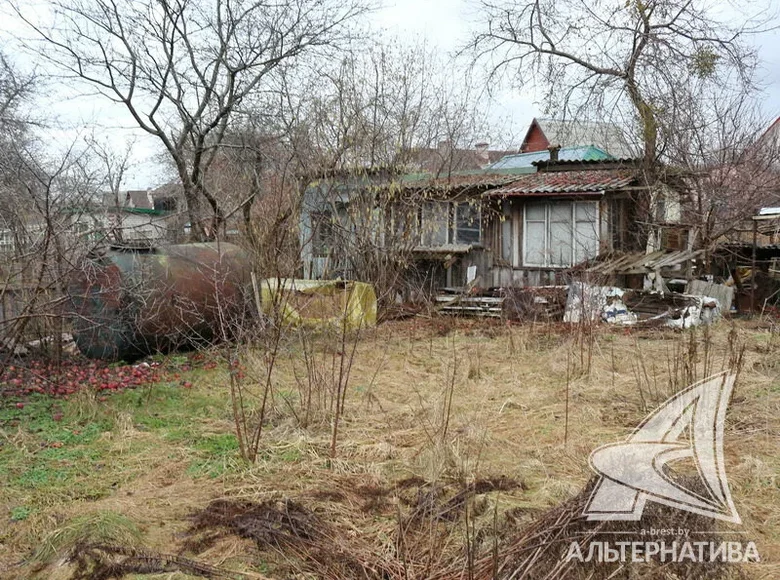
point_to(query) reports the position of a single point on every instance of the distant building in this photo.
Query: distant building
(610, 138)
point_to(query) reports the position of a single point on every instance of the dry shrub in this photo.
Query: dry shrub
(448, 533)
(106, 562)
(538, 552)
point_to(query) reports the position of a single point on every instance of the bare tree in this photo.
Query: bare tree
(732, 168)
(183, 68)
(381, 106)
(632, 59)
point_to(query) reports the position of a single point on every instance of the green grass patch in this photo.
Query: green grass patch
(54, 450)
(20, 513)
(167, 406)
(217, 454)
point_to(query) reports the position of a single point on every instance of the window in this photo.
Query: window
(586, 231)
(6, 241)
(444, 222)
(435, 224)
(467, 222)
(404, 223)
(506, 233)
(322, 233)
(559, 234)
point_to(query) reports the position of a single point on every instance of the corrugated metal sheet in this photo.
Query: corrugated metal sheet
(557, 182)
(641, 263)
(462, 182)
(520, 160)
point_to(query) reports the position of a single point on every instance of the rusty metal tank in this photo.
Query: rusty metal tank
(131, 302)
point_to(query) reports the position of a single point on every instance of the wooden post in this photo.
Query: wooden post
(753, 268)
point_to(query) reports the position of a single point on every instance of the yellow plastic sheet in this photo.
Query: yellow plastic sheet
(319, 302)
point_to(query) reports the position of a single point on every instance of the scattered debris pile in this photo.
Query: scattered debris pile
(673, 309)
(581, 302)
(587, 303)
(472, 302)
(535, 303)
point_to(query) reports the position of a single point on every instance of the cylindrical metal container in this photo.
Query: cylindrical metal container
(129, 303)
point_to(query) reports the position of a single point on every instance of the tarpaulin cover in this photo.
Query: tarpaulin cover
(320, 302)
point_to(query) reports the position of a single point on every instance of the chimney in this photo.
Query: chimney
(554, 149)
(483, 157)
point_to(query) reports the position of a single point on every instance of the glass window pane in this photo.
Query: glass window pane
(586, 243)
(435, 223)
(560, 244)
(586, 211)
(322, 233)
(560, 212)
(535, 211)
(534, 248)
(467, 223)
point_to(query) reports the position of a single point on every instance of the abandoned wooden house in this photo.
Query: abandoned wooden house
(497, 227)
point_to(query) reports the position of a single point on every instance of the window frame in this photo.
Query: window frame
(547, 204)
(456, 228)
(449, 210)
(321, 242)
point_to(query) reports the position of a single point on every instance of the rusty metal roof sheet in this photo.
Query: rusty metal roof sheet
(468, 181)
(587, 181)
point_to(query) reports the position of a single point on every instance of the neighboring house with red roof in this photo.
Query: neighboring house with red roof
(544, 133)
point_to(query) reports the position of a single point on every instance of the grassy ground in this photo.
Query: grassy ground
(435, 401)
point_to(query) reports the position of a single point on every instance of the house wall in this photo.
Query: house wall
(536, 141)
(513, 272)
(340, 205)
(499, 259)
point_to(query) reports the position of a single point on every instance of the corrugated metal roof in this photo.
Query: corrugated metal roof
(477, 180)
(557, 182)
(586, 153)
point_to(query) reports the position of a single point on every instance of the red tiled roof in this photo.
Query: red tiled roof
(557, 182)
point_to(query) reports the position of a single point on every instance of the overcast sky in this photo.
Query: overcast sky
(443, 25)
(446, 24)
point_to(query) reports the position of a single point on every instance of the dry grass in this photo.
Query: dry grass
(433, 408)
